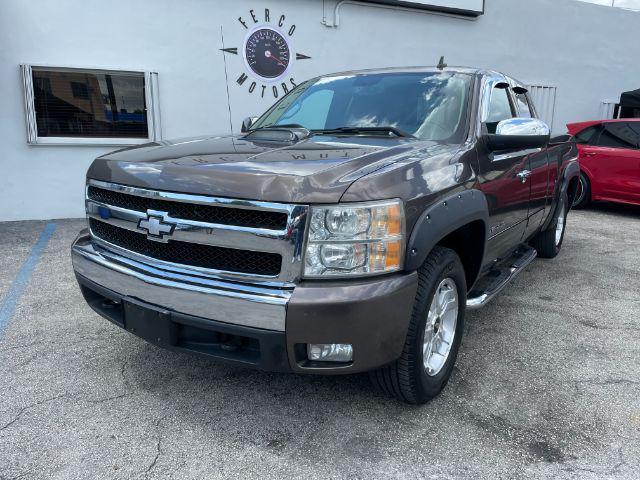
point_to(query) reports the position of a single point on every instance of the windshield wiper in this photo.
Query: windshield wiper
(356, 130)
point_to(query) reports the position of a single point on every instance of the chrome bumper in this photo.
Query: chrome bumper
(234, 303)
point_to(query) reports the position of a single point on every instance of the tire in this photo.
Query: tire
(407, 378)
(549, 242)
(583, 193)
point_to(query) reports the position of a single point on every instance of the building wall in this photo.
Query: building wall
(588, 52)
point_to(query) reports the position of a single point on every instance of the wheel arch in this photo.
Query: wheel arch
(568, 174)
(458, 222)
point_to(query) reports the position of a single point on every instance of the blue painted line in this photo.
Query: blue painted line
(19, 285)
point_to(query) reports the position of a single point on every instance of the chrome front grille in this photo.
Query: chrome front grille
(220, 237)
(191, 211)
(190, 254)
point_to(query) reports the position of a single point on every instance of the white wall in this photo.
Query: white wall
(589, 52)
(630, 4)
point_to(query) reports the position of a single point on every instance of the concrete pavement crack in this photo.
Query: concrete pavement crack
(20, 475)
(24, 363)
(155, 459)
(28, 407)
(613, 381)
(158, 448)
(126, 385)
(114, 397)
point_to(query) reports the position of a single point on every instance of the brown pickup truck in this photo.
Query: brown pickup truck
(347, 229)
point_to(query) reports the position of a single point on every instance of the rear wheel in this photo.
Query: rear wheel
(434, 334)
(549, 241)
(583, 192)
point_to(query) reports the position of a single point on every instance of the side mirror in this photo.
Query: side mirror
(247, 123)
(519, 133)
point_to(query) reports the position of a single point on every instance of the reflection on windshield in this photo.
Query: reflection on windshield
(428, 105)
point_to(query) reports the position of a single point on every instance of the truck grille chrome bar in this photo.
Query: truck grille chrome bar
(206, 256)
(241, 217)
(219, 237)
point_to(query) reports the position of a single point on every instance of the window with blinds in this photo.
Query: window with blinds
(88, 106)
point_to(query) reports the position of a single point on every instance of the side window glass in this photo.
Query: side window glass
(619, 135)
(499, 108)
(524, 111)
(588, 135)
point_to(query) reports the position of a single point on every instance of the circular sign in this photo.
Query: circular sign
(267, 53)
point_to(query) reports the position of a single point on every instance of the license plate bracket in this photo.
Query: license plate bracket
(150, 323)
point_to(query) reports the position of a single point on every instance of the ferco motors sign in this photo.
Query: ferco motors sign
(462, 7)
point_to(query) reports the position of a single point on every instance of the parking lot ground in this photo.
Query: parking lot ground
(547, 384)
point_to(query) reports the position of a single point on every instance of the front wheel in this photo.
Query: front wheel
(434, 334)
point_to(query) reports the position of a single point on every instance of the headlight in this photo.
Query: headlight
(355, 239)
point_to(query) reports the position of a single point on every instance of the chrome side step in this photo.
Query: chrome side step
(498, 278)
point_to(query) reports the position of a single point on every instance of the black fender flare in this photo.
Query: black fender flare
(571, 171)
(440, 219)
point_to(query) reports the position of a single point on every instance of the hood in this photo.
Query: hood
(315, 170)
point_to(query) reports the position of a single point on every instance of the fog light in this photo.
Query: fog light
(330, 352)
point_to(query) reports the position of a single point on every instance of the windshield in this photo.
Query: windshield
(430, 106)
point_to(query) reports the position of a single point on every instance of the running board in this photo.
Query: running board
(497, 278)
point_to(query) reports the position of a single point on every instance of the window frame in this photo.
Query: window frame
(493, 83)
(510, 98)
(152, 105)
(527, 100)
(489, 82)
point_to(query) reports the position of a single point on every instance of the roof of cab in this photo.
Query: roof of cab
(426, 69)
(467, 70)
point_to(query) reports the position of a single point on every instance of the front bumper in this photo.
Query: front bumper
(265, 326)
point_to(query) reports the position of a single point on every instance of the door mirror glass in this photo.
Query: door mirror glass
(247, 123)
(519, 133)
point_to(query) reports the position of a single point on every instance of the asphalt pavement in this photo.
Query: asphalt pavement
(547, 384)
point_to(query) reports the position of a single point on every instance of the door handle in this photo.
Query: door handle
(523, 175)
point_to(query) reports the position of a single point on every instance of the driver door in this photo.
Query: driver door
(504, 178)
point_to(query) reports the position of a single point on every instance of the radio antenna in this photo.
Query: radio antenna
(441, 65)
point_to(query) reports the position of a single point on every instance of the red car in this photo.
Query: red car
(609, 154)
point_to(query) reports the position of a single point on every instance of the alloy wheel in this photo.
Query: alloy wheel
(440, 328)
(560, 224)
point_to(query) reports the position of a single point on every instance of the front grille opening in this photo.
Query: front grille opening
(190, 254)
(239, 217)
(210, 342)
(110, 308)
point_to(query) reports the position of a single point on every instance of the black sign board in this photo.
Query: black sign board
(472, 8)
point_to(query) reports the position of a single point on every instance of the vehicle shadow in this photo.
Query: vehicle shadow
(274, 412)
(342, 419)
(185, 380)
(620, 209)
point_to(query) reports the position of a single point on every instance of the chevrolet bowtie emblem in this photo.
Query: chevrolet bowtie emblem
(156, 227)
